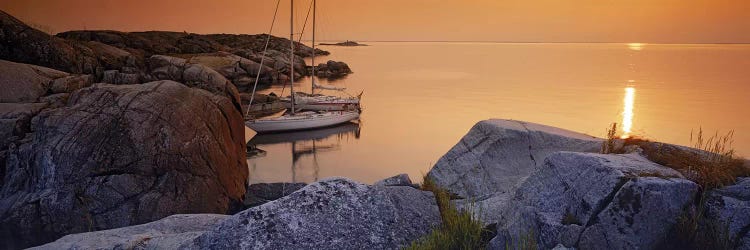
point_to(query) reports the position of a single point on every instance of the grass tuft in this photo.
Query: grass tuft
(719, 166)
(609, 144)
(459, 229)
(713, 165)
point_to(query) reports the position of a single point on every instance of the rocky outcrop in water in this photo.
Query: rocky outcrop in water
(332, 69)
(122, 57)
(212, 50)
(347, 43)
(119, 155)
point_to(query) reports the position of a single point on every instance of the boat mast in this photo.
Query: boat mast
(312, 90)
(291, 52)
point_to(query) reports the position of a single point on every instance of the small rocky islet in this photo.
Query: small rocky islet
(345, 44)
(113, 140)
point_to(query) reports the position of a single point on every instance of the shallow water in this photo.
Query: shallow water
(421, 98)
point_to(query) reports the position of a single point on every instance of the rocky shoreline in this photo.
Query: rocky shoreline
(522, 180)
(107, 129)
(123, 57)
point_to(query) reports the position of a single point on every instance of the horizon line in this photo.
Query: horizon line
(432, 41)
(533, 42)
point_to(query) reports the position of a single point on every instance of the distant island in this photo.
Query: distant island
(347, 43)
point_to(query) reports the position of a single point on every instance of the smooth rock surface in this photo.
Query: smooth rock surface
(496, 156)
(595, 201)
(120, 155)
(335, 213)
(167, 233)
(25, 83)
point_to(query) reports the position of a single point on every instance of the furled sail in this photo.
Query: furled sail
(328, 87)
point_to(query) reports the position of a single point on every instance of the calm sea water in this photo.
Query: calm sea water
(421, 98)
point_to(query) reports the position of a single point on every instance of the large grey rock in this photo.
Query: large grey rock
(120, 155)
(335, 213)
(727, 214)
(496, 156)
(594, 201)
(260, 193)
(167, 233)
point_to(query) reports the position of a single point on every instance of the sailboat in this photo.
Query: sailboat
(319, 102)
(294, 120)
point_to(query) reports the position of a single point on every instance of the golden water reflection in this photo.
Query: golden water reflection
(627, 114)
(421, 98)
(636, 46)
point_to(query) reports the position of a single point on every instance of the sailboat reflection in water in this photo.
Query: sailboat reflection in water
(304, 143)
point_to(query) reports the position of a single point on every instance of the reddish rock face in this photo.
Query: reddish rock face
(119, 155)
(21, 43)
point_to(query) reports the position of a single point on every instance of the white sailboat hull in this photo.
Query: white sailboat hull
(302, 121)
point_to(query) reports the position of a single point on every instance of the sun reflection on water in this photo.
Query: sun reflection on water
(627, 113)
(636, 46)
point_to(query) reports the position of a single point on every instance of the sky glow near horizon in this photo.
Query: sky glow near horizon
(633, 21)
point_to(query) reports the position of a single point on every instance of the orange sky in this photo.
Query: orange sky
(656, 21)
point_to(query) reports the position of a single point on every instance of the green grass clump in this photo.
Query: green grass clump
(459, 229)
